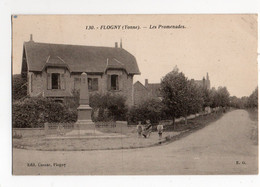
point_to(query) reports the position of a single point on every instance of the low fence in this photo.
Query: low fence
(100, 124)
(108, 127)
(58, 128)
(114, 127)
(27, 132)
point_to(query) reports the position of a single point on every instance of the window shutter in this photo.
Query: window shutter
(62, 82)
(49, 81)
(108, 82)
(32, 82)
(120, 82)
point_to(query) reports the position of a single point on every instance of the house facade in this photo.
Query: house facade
(140, 93)
(147, 91)
(53, 70)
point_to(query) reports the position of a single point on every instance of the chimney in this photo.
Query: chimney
(146, 82)
(121, 45)
(207, 76)
(31, 37)
(116, 45)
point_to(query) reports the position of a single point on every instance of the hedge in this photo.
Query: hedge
(151, 109)
(108, 107)
(34, 112)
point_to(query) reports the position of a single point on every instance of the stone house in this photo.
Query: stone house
(140, 93)
(147, 91)
(53, 70)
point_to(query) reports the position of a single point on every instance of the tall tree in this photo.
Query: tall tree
(223, 96)
(195, 98)
(181, 96)
(220, 97)
(207, 96)
(173, 88)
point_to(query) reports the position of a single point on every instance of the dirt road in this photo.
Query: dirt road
(224, 147)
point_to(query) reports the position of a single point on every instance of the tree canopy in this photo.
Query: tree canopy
(181, 96)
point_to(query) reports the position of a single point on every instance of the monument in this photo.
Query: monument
(84, 125)
(84, 110)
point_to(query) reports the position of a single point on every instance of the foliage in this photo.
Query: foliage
(19, 87)
(72, 102)
(34, 112)
(207, 97)
(108, 107)
(150, 109)
(246, 101)
(173, 89)
(252, 101)
(181, 96)
(194, 98)
(220, 97)
(223, 96)
(236, 102)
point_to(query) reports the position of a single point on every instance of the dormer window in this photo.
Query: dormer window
(55, 80)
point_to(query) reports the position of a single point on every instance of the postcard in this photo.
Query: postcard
(135, 94)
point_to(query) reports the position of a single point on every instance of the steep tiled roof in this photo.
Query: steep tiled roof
(140, 84)
(154, 89)
(78, 58)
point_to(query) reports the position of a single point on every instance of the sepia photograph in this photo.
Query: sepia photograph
(162, 94)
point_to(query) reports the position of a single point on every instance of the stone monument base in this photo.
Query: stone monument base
(84, 124)
(83, 128)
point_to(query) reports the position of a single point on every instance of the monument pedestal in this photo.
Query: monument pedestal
(84, 121)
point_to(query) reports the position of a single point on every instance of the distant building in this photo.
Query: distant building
(53, 70)
(152, 90)
(204, 83)
(140, 93)
(147, 91)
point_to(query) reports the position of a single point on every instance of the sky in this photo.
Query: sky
(225, 46)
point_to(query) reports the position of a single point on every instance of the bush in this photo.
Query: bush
(151, 109)
(19, 87)
(108, 107)
(34, 112)
(72, 102)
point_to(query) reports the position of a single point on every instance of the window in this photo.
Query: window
(55, 81)
(114, 82)
(92, 84)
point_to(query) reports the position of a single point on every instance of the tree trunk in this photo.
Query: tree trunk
(186, 120)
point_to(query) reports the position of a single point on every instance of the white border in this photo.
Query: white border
(7, 8)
